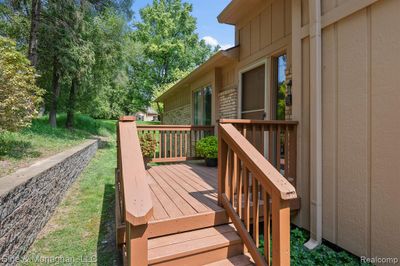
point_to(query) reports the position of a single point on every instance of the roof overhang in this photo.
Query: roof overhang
(237, 9)
(219, 59)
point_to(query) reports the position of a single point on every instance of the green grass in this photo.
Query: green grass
(20, 149)
(321, 256)
(82, 225)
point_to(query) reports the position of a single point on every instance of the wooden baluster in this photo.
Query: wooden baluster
(234, 178)
(292, 155)
(180, 144)
(228, 180)
(186, 144)
(271, 144)
(278, 148)
(286, 151)
(246, 213)
(239, 187)
(176, 144)
(253, 135)
(267, 227)
(156, 140)
(280, 231)
(170, 143)
(255, 211)
(262, 148)
(165, 144)
(222, 167)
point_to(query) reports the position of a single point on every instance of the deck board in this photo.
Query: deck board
(182, 190)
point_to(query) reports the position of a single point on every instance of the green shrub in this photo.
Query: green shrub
(208, 147)
(148, 145)
(19, 95)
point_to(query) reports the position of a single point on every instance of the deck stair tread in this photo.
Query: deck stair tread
(203, 246)
(240, 260)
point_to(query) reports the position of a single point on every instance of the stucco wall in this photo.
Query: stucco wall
(29, 196)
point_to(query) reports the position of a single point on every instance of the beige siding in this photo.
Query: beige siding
(360, 103)
(385, 129)
(263, 28)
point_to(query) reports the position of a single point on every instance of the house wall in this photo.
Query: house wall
(177, 108)
(359, 101)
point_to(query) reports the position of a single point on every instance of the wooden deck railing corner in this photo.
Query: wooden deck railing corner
(134, 198)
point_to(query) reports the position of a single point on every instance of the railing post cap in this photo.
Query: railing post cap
(127, 119)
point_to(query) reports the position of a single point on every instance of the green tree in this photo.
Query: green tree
(171, 45)
(19, 96)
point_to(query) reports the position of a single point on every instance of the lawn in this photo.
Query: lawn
(82, 225)
(20, 149)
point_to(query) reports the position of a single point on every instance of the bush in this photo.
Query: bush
(208, 147)
(148, 145)
(19, 96)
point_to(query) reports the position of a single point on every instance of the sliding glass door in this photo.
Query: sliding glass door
(202, 106)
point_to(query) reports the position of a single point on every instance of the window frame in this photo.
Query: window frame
(202, 105)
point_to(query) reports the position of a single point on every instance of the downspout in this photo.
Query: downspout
(315, 126)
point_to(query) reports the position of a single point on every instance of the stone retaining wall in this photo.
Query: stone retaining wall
(29, 197)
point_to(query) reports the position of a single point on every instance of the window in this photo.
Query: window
(202, 106)
(280, 86)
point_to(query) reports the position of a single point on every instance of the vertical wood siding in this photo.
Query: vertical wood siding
(360, 134)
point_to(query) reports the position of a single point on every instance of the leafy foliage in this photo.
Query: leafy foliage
(208, 147)
(322, 255)
(148, 144)
(171, 46)
(19, 96)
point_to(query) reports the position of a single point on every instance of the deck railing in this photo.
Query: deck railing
(247, 182)
(175, 142)
(133, 199)
(275, 139)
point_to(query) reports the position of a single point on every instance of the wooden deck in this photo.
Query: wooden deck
(184, 198)
(183, 213)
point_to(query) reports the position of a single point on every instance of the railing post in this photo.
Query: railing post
(222, 157)
(137, 245)
(280, 231)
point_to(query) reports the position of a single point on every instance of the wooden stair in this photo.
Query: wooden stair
(218, 245)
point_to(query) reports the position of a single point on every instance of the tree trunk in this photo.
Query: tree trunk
(71, 103)
(34, 32)
(55, 93)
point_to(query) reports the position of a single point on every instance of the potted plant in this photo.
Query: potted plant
(208, 149)
(148, 145)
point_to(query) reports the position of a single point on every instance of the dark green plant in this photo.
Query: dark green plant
(207, 147)
(148, 144)
(323, 255)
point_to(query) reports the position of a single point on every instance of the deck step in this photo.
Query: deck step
(197, 247)
(241, 260)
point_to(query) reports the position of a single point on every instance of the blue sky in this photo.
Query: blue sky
(206, 12)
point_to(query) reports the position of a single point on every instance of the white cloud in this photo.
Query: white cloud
(209, 40)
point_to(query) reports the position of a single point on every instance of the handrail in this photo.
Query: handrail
(245, 177)
(146, 127)
(138, 202)
(260, 122)
(133, 192)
